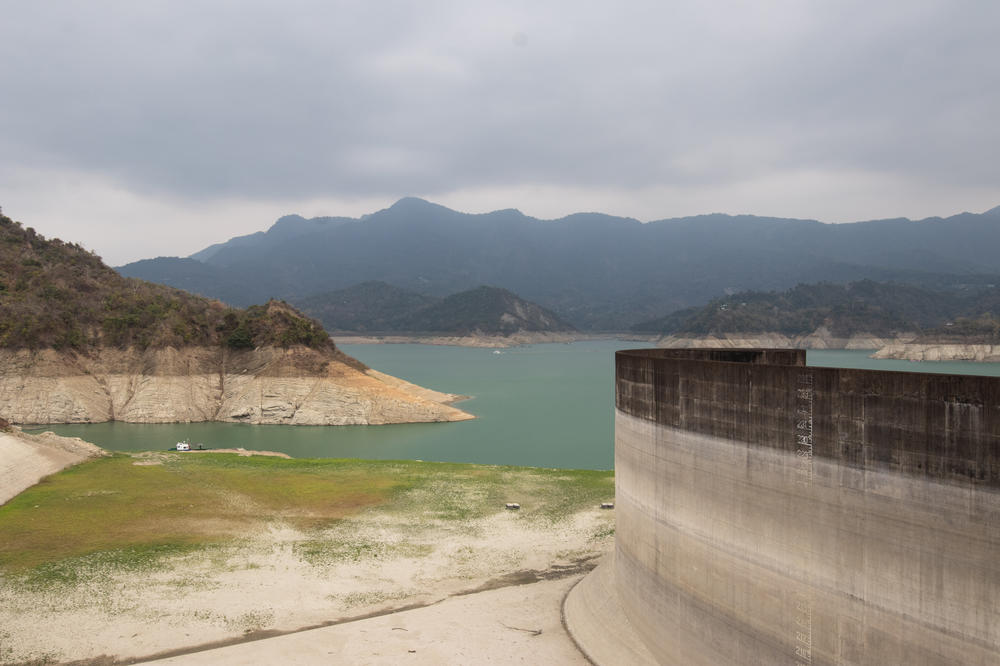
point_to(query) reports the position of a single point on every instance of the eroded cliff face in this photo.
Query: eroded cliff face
(269, 385)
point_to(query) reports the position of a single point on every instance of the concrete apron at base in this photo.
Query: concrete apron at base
(595, 620)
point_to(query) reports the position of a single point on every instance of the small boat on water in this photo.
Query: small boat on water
(188, 446)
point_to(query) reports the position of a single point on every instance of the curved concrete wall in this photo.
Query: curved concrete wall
(772, 513)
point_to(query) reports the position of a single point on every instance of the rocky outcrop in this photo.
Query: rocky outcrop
(270, 385)
(821, 338)
(929, 351)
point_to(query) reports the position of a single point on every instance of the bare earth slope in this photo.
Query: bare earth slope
(268, 385)
(26, 459)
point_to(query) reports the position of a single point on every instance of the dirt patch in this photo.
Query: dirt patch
(282, 579)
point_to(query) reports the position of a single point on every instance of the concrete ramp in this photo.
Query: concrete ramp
(597, 623)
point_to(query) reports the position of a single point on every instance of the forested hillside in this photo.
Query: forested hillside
(845, 310)
(58, 295)
(380, 307)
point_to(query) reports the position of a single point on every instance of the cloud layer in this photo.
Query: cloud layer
(210, 118)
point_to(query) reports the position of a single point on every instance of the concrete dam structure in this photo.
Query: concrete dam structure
(770, 512)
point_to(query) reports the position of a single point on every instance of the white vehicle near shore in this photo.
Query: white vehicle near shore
(183, 446)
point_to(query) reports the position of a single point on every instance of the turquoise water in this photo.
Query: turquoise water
(540, 405)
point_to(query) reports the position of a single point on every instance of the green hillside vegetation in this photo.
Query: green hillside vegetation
(380, 307)
(483, 310)
(984, 329)
(859, 307)
(369, 306)
(59, 295)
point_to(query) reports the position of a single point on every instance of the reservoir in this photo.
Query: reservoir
(548, 405)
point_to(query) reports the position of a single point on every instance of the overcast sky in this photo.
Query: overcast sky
(146, 128)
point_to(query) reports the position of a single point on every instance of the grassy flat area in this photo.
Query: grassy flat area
(130, 510)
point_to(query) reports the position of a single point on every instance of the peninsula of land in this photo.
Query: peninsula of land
(81, 344)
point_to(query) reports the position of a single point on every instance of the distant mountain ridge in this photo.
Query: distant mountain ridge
(364, 307)
(865, 307)
(596, 271)
(380, 307)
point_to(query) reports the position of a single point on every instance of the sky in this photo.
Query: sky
(155, 128)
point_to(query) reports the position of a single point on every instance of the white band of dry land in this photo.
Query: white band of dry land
(27, 459)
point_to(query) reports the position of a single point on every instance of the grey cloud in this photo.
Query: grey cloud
(316, 98)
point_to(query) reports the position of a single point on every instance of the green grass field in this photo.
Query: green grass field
(129, 515)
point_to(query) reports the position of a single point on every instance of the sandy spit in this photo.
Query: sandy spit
(26, 459)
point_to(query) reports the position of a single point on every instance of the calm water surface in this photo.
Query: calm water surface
(540, 405)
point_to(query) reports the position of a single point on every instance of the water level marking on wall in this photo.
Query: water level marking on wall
(803, 628)
(804, 428)
(803, 601)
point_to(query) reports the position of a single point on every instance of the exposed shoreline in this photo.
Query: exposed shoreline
(269, 385)
(821, 338)
(906, 346)
(940, 351)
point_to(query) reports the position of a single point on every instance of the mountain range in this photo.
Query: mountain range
(864, 307)
(380, 307)
(596, 271)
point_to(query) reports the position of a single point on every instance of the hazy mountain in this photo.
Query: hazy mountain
(845, 310)
(369, 306)
(484, 310)
(597, 271)
(380, 307)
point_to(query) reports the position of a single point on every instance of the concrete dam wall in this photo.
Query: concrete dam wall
(774, 513)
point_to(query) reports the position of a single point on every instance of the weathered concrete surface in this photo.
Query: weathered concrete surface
(773, 513)
(596, 621)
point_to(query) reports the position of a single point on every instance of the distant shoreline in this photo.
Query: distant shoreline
(902, 346)
(485, 341)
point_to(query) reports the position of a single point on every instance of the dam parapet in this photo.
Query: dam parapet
(772, 512)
